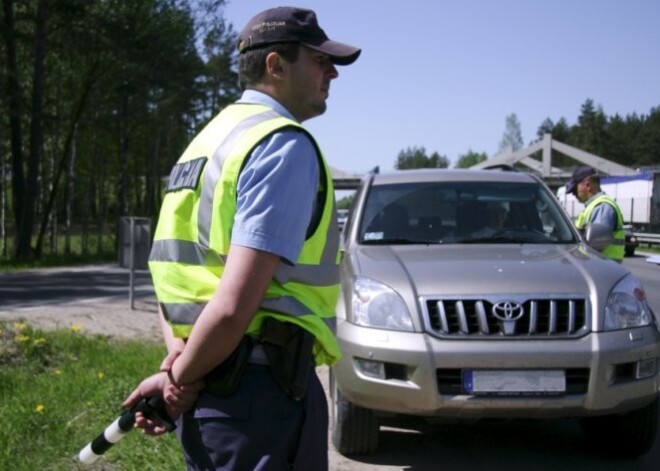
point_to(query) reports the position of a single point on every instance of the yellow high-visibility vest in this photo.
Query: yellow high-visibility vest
(193, 234)
(616, 249)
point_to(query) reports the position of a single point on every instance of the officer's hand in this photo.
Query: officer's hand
(150, 386)
(180, 398)
(150, 426)
(168, 361)
(154, 385)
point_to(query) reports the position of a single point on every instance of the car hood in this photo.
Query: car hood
(488, 269)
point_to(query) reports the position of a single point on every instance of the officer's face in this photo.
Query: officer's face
(308, 85)
(582, 190)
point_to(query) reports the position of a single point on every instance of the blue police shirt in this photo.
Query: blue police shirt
(276, 189)
(603, 214)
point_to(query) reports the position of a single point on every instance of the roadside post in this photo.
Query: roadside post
(134, 247)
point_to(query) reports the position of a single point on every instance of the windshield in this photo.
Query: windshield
(463, 212)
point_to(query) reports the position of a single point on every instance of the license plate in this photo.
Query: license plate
(514, 382)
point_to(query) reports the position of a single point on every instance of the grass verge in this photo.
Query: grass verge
(60, 389)
(59, 260)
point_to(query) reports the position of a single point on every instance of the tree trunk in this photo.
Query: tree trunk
(122, 191)
(52, 234)
(100, 184)
(68, 194)
(3, 203)
(152, 177)
(75, 119)
(15, 112)
(36, 133)
(86, 210)
(103, 203)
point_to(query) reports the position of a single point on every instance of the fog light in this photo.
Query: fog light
(374, 369)
(646, 368)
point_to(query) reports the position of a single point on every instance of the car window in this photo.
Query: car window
(462, 212)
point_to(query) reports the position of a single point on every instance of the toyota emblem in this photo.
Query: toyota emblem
(508, 311)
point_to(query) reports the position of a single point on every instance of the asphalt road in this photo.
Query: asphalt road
(649, 275)
(53, 286)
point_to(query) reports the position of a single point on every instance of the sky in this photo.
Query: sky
(445, 74)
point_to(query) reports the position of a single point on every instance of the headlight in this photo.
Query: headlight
(626, 306)
(377, 305)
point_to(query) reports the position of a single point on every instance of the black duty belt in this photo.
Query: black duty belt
(258, 356)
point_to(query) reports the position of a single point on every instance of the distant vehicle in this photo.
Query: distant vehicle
(469, 294)
(631, 241)
(342, 215)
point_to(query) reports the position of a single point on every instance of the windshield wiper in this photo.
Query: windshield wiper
(400, 241)
(505, 238)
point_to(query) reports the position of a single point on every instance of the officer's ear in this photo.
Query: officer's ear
(275, 65)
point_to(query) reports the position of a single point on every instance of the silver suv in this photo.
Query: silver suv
(468, 294)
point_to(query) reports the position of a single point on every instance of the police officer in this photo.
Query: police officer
(245, 262)
(599, 208)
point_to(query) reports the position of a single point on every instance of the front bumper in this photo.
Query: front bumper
(421, 374)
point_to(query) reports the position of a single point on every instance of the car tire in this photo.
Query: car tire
(630, 251)
(354, 429)
(627, 435)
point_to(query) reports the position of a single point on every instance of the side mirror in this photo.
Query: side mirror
(598, 236)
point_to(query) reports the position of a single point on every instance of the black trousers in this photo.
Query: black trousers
(257, 428)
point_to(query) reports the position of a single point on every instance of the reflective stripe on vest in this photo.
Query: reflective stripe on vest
(214, 169)
(187, 313)
(184, 251)
(193, 235)
(616, 249)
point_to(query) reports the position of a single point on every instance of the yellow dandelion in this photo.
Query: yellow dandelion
(76, 328)
(101, 375)
(40, 408)
(39, 341)
(22, 338)
(57, 371)
(20, 325)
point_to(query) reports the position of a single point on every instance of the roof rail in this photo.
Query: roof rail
(504, 167)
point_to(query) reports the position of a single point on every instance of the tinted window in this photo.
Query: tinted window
(462, 212)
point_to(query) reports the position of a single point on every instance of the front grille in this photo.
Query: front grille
(449, 381)
(507, 318)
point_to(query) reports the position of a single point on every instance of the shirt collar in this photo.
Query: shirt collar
(586, 203)
(256, 97)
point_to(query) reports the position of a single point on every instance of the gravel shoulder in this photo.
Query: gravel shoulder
(112, 317)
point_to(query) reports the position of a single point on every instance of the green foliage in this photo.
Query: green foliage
(123, 87)
(633, 140)
(81, 252)
(512, 139)
(646, 145)
(590, 133)
(345, 202)
(415, 157)
(470, 158)
(60, 389)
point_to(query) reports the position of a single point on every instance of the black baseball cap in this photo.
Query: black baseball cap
(290, 24)
(579, 174)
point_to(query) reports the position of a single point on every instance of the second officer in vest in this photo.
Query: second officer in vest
(599, 208)
(245, 262)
